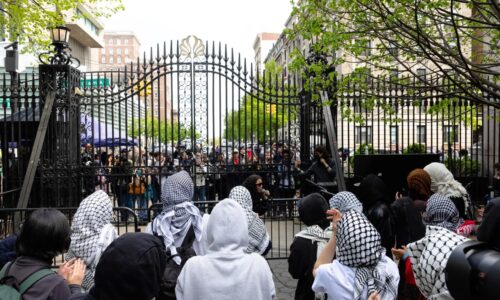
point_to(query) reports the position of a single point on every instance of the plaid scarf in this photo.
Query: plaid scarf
(257, 232)
(442, 212)
(359, 247)
(345, 201)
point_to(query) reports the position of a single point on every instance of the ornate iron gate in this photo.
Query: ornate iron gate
(190, 98)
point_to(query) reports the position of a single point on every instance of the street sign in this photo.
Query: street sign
(94, 82)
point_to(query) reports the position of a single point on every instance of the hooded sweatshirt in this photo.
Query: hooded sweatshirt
(130, 268)
(226, 271)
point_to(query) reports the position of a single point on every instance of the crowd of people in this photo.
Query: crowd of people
(364, 246)
(133, 176)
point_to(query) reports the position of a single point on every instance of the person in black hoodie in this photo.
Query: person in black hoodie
(373, 195)
(308, 243)
(131, 268)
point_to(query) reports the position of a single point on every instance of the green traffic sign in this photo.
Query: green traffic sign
(94, 82)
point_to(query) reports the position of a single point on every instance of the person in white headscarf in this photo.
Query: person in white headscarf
(361, 267)
(226, 271)
(179, 214)
(429, 257)
(442, 182)
(92, 232)
(258, 238)
(345, 201)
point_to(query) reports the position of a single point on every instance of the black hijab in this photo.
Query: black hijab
(489, 230)
(312, 210)
(131, 268)
(372, 190)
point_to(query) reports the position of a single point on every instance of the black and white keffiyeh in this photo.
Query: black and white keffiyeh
(257, 232)
(91, 233)
(179, 212)
(345, 201)
(359, 246)
(442, 212)
(429, 257)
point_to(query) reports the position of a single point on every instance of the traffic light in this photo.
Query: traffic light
(143, 92)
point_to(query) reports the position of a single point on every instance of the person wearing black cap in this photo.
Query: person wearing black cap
(308, 243)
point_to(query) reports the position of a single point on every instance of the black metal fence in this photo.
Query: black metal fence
(197, 106)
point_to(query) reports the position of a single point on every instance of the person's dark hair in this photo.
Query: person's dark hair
(249, 184)
(44, 235)
(312, 210)
(497, 166)
(324, 153)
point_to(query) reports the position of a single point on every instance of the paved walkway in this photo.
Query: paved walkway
(283, 282)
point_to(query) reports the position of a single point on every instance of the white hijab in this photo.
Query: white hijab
(442, 182)
(257, 232)
(92, 232)
(226, 271)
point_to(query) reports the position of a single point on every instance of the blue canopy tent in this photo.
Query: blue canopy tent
(102, 134)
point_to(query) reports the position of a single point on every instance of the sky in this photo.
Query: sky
(233, 22)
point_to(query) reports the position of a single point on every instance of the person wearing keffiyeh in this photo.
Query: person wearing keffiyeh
(429, 257)
(258, 238)
(361, 267)
(442, 212)
(345, 201)
(308, 243)
(92, 232)
(179, 213)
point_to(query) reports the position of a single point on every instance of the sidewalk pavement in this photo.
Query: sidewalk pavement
(285, 285)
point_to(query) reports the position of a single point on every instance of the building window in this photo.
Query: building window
(110, 41)
(125, 41)
(111, 60)
(421, 134)
(118, 51)
(118, 42)
(367, 51)
(103, 59)
(126, 50)
(394, 75)
(363, 135)
(421, 72)
(394, 134)
(450, 134)
(110, 51)
(119, 59)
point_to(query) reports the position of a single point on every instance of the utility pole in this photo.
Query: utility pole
(11, 66)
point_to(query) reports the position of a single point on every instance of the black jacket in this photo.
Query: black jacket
(409, 225)
(300, 265)
(382, 219)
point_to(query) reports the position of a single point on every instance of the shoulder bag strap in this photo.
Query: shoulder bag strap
(33, 278)
(5, 269)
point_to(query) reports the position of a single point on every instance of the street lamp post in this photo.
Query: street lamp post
(60, 41)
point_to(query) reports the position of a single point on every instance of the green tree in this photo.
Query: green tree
(27, 21)
(162, 130)
(261, 114)
(458, 41)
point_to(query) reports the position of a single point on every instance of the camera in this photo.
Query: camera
(473, 271)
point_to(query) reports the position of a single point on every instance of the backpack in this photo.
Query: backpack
(10, 289)
(172, 269)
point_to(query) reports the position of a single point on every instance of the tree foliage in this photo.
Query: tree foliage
(455, 40)
(261, 114)
(161, 130)
(27, 21)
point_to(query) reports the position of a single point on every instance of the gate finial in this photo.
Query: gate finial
(192, 47)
